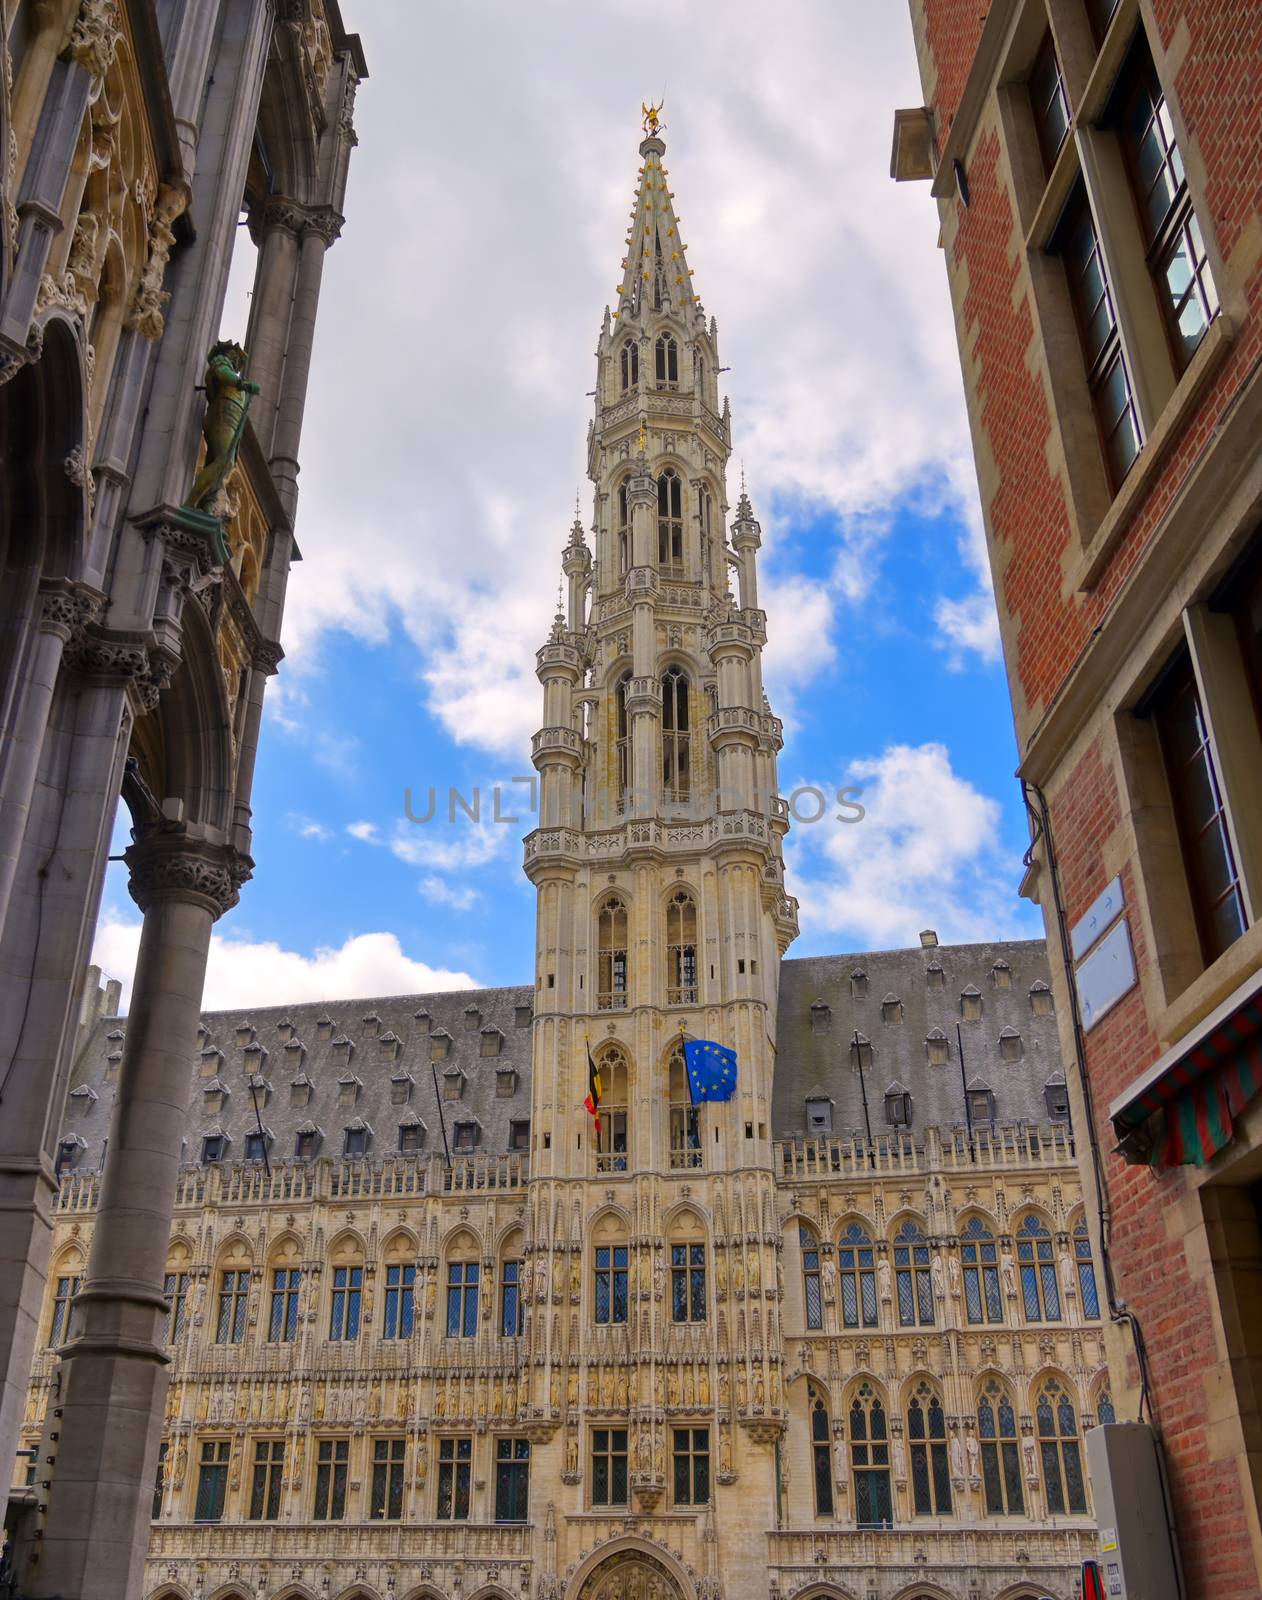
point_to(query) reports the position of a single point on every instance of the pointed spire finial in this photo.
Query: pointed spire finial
(652, 117)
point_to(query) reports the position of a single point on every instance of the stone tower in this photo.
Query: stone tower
(662, 910)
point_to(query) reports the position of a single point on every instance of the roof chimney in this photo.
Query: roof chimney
(928, 939)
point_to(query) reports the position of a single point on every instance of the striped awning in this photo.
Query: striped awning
(1202, 1083)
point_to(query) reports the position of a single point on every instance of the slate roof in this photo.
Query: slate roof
(343, 1064)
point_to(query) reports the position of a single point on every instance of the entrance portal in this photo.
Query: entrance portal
(630, 1575)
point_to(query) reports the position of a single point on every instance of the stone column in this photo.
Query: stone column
(114, 1377)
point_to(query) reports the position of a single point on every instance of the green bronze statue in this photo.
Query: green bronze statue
(228, 396)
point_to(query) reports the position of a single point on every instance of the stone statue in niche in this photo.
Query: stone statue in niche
(228, 396)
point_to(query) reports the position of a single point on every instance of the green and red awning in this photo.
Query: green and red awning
(1202, 1084)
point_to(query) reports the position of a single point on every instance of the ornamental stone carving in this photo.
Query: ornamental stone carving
(146, 314)
(95, 36)
(173, 866)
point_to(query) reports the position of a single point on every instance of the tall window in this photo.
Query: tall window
(666, 353)
(234, 1299)
(611, 1283)
(811, 1293)
(332, 1460)
(1087, 1291)
(690, 1458)
(1060, 1450)
(269, 1468)
(510, 1300)
(856, 1267)
(400, 1301)
(685, 1118)
(512, 1480)
(344, 1311)
(623, 530)
(611, 1141)
(821, 1455)
(212, 1480)
(622, 745)
(687, 1282)
(1040, 1294)
(386, 1503)
(911, 1270)
(462, 1299)
(870, 1459)
(1201, 819)
(930, 1468)
(175, 1287)
(283, 1323)
(1104, 1411)
(676, 737)
(455, 1464)
(1049, 101)
(983, 1299)
(609, 1466)
(611, 955)
(629, 363)
(160, 1479)
(1107, 374)
(63, 1309)
(681, 950)
(1001, 1453)
(1177, 256)
(670, 524)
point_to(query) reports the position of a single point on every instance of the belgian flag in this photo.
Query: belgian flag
(592, 1103)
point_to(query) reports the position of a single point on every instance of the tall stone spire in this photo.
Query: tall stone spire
(654, 270)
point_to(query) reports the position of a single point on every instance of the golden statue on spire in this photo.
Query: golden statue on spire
(651, 113)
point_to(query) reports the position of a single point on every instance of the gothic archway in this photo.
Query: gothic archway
(630, 1574)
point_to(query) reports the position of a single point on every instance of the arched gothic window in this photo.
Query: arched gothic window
(681, 950)
(1057, 1427)
(870, 1459)
(911, 1268)
(1104, 1411)
(856, 1265)
(611, 956)
(930, 1468)
(622, 743)
(667, 359)
(812, 1297)
(623, 531)
(1087, 1291)
(685, 1118)
(676, 736)
(1040, 1294)
(821, 1454)
(611, 1142)
(983, 1300)
(670, 524)
(1001, 1452)
(698, 371)
(630, 363)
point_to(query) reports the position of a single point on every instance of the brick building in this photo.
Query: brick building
(1097, 166)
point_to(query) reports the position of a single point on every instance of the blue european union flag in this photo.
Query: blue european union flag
(711, 1069)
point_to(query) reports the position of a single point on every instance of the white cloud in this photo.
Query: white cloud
(926, 854)
(971, 624)
(445, 844)
(308, 827)
(365, 832)
(460, 897)
(831, 297)
(243, 972)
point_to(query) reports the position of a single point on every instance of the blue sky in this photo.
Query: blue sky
(444, 442)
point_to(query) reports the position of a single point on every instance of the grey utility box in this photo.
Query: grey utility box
(1136, 1553)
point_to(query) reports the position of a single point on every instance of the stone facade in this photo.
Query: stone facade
(835, 1335)
(133, 655)
(1126, 569)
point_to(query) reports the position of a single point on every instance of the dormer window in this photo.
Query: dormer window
(666, 362)
(472, 1019)
(371, 1024)
(453, 1083)
(214, 1147)
(465, 1136)
(935, 978)
(214, 1094)
(324, 1028)
(285, 1031)
(300, 1090)
(401, 1086)
(68, 1153)
(1001, 975)
(821, 1017)
(255, 1057)
(971, 1004)
(937, 1048)
(295, 1052)
(519, 1135)
(1040, 999)
(355, 1138)
(819, 1116)
(858, 984)
(260, 1089)
(1056, 1098)
(981, 1102)
(256, 1144)
(492, 1041)
(897, 1106)
(439, 1045)
(244, 1034)
(891, 1009)
(210, 1061)
(83, 1099)
(629, 364)
(348, 1087)
(1010, 1048)
(505, 1082)
(343, 1048)
(391, 1045)
(306, 1142)
(411, 1136)
(523, 1016)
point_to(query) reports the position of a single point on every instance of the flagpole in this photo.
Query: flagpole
(446, 1152)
